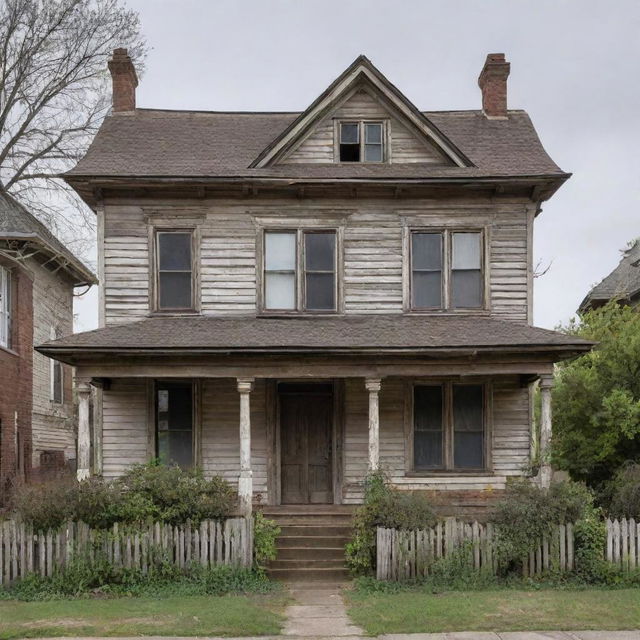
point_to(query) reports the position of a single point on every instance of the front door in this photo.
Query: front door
(306, 421)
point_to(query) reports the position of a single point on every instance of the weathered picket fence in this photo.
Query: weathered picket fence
(24, 551)
(623, 543)
(404, 555)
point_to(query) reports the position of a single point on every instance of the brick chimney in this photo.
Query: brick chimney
(124, 80)
(493, 83)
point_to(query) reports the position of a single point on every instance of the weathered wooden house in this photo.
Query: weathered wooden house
(291, 299)
(38, 275)
(622, 284)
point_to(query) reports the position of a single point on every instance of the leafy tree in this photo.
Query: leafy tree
(596, 400)
(54, 93)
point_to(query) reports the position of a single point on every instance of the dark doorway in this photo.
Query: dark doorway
(306, 424)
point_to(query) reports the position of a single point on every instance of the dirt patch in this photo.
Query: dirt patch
(75, 622)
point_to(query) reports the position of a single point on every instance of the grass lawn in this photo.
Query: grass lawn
(500, 610)
(231, 615)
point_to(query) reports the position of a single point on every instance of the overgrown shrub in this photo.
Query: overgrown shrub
(147, 492)
(528, 512)
(384, 506)
(623, 492)
(265, 533)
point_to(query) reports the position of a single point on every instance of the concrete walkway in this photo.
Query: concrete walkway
(318, 611)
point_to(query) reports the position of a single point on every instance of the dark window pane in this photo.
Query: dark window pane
(466, 289)
(349, 153)
(468, 450)
(320, 291)
(373, 153)
(57, 382)
(427, 449)
(426, 251)
(174, 251)
(468, 425)
(426, 289)
(320, 251)
(349, 133)
(175, 290)
(373, 133)
(428, 428)
(175, 447)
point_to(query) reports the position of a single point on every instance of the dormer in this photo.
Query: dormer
(362, 118)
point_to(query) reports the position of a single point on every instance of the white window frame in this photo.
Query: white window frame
(5, 307)
(54, 334)
(361, 140)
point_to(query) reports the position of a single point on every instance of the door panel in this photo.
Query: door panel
(306, 421)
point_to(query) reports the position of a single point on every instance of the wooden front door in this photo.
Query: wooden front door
(306, 421)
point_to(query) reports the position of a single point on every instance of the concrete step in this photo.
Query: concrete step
(321, 529)
(307, 563)
(309, 575)
(284, 542)
(337, 521)
(311, 553)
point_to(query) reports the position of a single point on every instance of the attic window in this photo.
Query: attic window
(361, 142)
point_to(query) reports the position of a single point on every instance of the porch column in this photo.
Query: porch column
(546, 384)
(83, 388)
(373, 387)
(245, 482)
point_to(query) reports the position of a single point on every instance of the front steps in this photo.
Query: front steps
(311, 542)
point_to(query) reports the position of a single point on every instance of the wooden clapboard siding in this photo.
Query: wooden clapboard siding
(509, 432)
(373, 251)
(405, 145)
(220, 435)
(124, 426)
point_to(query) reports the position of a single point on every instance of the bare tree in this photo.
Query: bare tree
(54, 93)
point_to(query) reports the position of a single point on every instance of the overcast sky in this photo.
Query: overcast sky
(575, 67)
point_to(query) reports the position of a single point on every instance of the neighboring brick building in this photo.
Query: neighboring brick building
(37, 279)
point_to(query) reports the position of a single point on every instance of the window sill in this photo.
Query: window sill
(173, 312)
(447, 312)
(298, 314)
(449, 473)
(9, 350)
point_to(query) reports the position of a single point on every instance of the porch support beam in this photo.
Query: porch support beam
(83, 389)
(373, 387)
(245, 482)
(546, 385)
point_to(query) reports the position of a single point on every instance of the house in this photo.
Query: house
(292, 299)
(38, 275)
(622, 284)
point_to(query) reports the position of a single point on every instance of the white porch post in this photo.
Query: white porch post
(245, 482)
(373, 387)
(546, 384)
(83, 460)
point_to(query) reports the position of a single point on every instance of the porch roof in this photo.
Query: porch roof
(357, 334)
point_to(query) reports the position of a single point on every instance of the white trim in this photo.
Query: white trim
(5, 307)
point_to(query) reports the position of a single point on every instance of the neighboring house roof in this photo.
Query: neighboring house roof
(622, 283)
(349, 334)
(17, 224)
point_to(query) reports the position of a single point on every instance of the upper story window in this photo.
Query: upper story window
(447, 270)
(449, 427)
(361, 142)
(300, 271)
(174, 271)
(5, 307)
(56, 373)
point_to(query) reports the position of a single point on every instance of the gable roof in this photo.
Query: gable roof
(354, 334)
(152, 144)
(18, 224)
(622, 283)
(361, 71)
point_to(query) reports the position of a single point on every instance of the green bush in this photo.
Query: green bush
(384, 506)
(623, 492)
(265, 534)
(147, 492)
(527, 513)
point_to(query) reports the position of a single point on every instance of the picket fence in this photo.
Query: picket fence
(404, 555)
(623, 543)
(24, 551)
